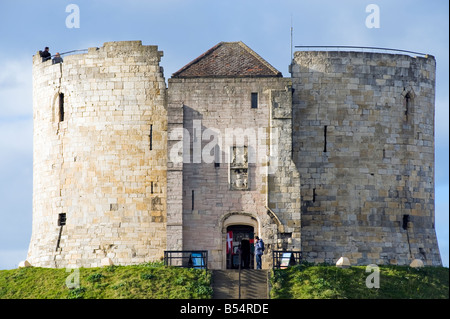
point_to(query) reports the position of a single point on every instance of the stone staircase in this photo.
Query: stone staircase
(254, 284)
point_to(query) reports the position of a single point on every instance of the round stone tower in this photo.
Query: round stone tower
(363, 141)
(100, 154)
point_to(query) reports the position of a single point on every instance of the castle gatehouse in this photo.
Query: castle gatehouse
(335, 160)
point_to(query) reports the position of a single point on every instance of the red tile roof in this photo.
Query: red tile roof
(228, 59)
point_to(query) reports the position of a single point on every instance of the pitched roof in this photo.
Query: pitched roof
(228, 59)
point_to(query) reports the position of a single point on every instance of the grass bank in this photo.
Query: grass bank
(330, 282)
(155, 281)
(147, 281)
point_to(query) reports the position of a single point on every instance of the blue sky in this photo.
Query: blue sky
(184, 29)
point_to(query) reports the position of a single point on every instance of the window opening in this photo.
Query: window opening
(254, 100)
(151, 137)
(62, 219)
(61, 107)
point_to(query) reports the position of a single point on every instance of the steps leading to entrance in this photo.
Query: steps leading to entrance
(254, 284)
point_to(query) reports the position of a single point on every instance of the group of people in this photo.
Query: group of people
(45, 55)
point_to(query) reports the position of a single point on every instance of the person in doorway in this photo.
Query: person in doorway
(259, 250)
(245, 251)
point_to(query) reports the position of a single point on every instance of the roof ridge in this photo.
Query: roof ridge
(197, 59)
(257, 56)
(216, 61)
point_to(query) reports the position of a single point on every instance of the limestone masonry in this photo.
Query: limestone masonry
(337, 160)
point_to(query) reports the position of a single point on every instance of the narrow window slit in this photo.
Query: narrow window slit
(325, 138)
(407, 103)
(61, 107)
(151, 137)
(405, 222)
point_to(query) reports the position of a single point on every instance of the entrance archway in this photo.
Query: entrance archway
(240, 238)
(239, 228)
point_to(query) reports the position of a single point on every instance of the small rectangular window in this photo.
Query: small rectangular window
(254, 100)
(62, 219)
(405, 222)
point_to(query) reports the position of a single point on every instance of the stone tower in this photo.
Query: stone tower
(99, 187)
(364, 146)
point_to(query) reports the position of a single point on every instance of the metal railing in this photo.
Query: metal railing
(73, 51)
(197, 259)
(51, 57)
(356, 47)
(285, 259)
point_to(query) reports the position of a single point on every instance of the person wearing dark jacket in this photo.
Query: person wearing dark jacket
(259, 250)
(45, 55)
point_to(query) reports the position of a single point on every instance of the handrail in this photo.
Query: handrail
(282, 259)
(81, 50)
(357, 47)
(240, 261)
(187, 258)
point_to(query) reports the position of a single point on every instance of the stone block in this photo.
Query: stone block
(343, 262)
(24, 264)
(416, 263)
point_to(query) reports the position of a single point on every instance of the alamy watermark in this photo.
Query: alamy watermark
(373, 280)
(373, 19)
(73, 19)
(73, 280)
(212, 145)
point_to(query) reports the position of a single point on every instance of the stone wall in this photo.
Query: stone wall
(337, 161)
(104, 164)
(364, 146)
(216, 188)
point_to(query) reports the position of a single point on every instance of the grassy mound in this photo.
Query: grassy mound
(155, 281)
(147, 281)
(330, 282)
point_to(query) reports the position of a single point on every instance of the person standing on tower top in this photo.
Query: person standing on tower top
(45, 55)
(57, 58)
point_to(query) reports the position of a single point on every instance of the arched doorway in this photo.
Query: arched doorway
(240, 238)
(238, 228)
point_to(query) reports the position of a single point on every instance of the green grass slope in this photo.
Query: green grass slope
(155, 281)
(147, 281)
(330, 282)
